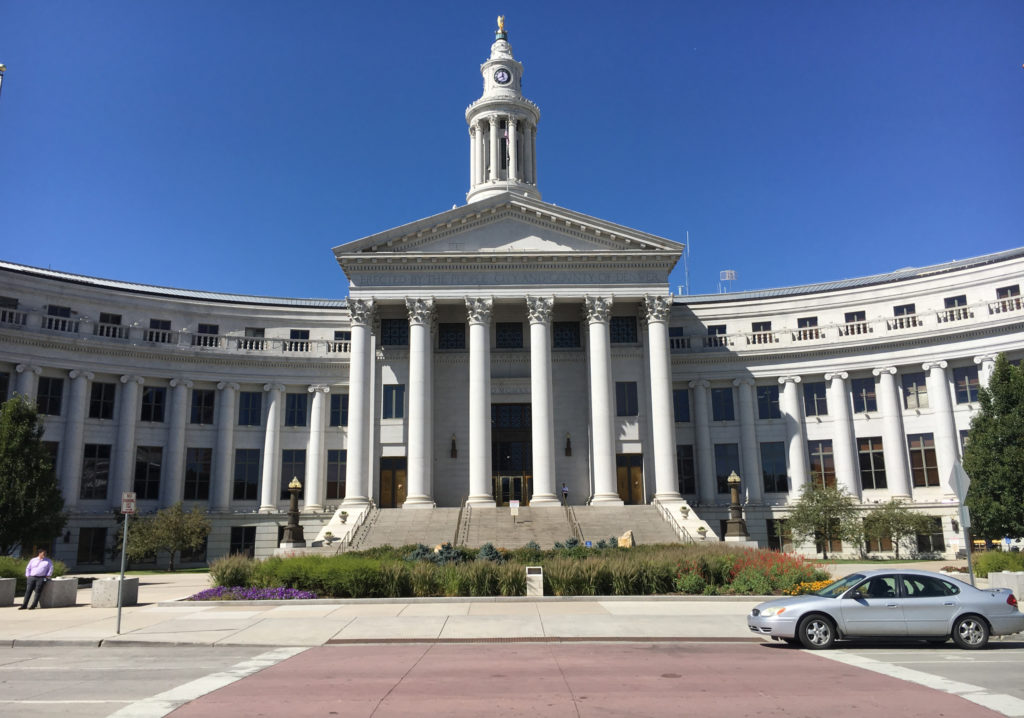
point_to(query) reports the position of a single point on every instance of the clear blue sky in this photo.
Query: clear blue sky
(227, 146)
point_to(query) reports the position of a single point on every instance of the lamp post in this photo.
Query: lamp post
(3, 69)
(293, 531)
(735, 527)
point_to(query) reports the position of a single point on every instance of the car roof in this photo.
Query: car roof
(907, 571)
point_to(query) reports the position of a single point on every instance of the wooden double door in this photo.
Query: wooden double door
(511, 453)
(393, 483)
(629, 471)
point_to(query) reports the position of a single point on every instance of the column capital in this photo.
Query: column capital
(884, 370)
(360, 311)
(233, 386)
(319, 389)
(273, 387)
(840, 375)
(479, 309)
(21, 368)
(597, 309)
(789, 380)
(421, 311)
(186, 383)
(744, 381)
(980, 359)
(130, 379)
(539, 309)
(512, 121)
(657, 309)
(702, 383)
(935, 364)
(76, 373)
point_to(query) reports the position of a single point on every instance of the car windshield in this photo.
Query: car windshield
(834, 590)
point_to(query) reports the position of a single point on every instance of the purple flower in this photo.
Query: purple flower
(241, 593)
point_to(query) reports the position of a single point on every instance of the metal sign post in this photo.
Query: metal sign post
(127, 507)
(513, 506)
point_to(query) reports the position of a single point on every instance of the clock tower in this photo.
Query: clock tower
(502, 128)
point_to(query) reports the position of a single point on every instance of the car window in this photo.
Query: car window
(927, 587)
(878, 587)
(834, 590)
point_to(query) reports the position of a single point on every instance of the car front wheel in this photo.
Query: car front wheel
(970, 632)
(817, 632)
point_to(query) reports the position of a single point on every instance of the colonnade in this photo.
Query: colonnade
(489, 142)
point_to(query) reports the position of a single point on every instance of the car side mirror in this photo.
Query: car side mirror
(855, 594)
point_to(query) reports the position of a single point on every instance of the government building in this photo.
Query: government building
(508, 350)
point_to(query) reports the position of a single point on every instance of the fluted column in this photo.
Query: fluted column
(796, 437)
(224, 454)
(894, 442)
(27, 384)
(474, 156)
(538, 309)
(270, 482)
(706, 484)
(171, 490)
(513, 162)
(420, 427)
(533, 153)
(124, 448)
(946, 441)
(666, 480)
(494, 123)
(528, 154)
(74, 445)
(844, 442)
(480, 489)
(986, 363)
(602, 413)
(314, 489)
(357, 468)
(750, 453)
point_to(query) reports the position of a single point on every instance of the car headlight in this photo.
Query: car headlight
(772, 611)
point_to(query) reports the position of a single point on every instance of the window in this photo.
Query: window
(686, 474)
(963, 440)
(864, 395)
(815, 399)
(147, 472)
(807, 328)
(339, 410)
(92, 545)
(1006, 292)
(95, 471)
(855, 323)
(721, 404)
(59, 319)
(109, 325)
(872, 462)
(336, 473)
(298, 341)
(681, 405)
(342, 341)
(716, 336)
(727, 460)
(876, 543)
(9, 313)
(761, 333)
(243, 541)
(202, 406)
(206, 336)
(154, 399)
(394, 332)
(250, 408)
(904, 315)
(451, 336)
(625, 399)
(933, 541)
(101, 400)
(622, 330)
(956, 308)
(768, 402)
(293, 466)
(965, 379)
(394, 402)
(923, 469)
(915, 390)
(53, 449)
(197, 473)
(1009, 299)
(197, 555)
(254, 339)
(823, 468)
(159, 331)
(566, 335)
(508, 335)
(779, 536)
(247, 474)
(773, 467)
(48, 396)
(295, 409)
(5, 386)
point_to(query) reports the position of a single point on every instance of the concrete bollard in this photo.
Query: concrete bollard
(104, 592)
(60, 592)
(7, 591)
(534, 580)
(1013, 580)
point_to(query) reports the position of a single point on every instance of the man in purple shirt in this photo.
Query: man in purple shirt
(37, 573)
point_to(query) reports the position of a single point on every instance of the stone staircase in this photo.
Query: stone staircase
(646, 523)
(400, 527)
(543, 525)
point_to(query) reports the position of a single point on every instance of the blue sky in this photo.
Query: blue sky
(229, 145)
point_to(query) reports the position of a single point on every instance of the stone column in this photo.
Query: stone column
(946, 438)
(224, 453)
(270, 483)
(27, 385)
(986, 363)
(420, 426)
(750, 452)
(74, 444)
(542, 402)
(513, 162)
(495, 125)
(315, 457)
(602, 413)
(533, 153)
(894, 441)
(663, 427)
(796, 437)
(844, 442)
(528, 153)
(123, 464)
(474, 156)
(480, 490)
(707, 491)
(360, 404)
(173, 477)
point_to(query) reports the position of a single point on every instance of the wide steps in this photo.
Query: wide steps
(646, 523)
(542, 525)
(400, 527)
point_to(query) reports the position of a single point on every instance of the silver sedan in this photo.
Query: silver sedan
(891, 604)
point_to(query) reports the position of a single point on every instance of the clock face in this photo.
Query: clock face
(502, 76)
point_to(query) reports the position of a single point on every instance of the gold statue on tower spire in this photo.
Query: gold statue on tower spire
(501, 23)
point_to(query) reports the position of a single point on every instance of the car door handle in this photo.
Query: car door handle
(949, 603)
(890, 605)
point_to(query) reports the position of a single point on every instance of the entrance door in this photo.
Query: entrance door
(629, 470)
(511, 453)
(392, 482)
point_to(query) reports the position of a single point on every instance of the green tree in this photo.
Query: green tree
(994, 455)
(170, 530)
(826, 514)
(31, 507)
(894, 521)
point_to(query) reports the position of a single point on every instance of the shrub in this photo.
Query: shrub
(512, 579)
(691, 583)
(395, 580)
(751, 581)
(422, 552)
(988, 561)
(564, 577)
(625, 576)
(489, 553)
(425, 579)
(233, 570)
(481, 578)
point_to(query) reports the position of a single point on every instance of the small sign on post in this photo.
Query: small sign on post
(513, 506)
(128, 502)
(127, 507)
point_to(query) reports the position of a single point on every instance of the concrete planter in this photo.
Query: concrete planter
(7, 591)
(60, 592)
(104, 592)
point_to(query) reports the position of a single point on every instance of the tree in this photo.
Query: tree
(894, 521)
(826, 514)
(31, 507)
(170, 530)
(994, 455)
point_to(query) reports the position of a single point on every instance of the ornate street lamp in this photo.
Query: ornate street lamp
(293, 531)
(735, 527)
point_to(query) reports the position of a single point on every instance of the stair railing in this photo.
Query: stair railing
(357, 532)
(574, 525)
(462, 524)
(680, 530)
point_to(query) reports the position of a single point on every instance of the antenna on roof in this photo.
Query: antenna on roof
(725, 279)
(685, 287)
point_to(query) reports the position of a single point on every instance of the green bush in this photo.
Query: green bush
(233, 570)
(625, 575)
(489, 553)
(691, 583)
(425, 580)
(751, 581)
(512, 579)
(989, 561)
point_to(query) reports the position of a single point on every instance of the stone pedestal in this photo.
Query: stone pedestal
(60, 592)
(534, 580)
(104, 592)
(7, 591)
